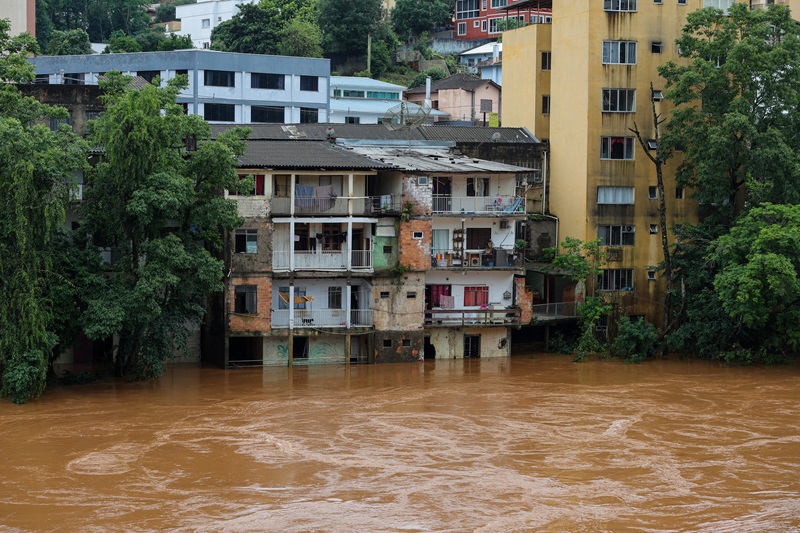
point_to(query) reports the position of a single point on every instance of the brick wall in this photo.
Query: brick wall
(524, 300)
(415, 254)
(419, 196)
(251, 323)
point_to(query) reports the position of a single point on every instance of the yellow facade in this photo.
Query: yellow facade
(580, 122)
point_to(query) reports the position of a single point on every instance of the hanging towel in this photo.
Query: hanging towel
(324, 197)
(297, 299)
(303, 195)
(447, 302)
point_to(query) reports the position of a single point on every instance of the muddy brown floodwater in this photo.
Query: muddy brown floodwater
(465, 445)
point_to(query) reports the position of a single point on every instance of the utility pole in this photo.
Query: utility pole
(369, 54)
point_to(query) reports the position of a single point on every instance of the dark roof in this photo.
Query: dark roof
(318, 155)
(379, 132)
(466, 82)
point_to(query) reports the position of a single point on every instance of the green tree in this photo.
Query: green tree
(174, 42)
(166, 12)
(121, 43)
(251, 31)
(434, 74)
(161, 208)
(758, 282)
(300, 38)
(36, 168)
(410, 18)
(384, 51)
(736, 115)
(69, 42)
(346, 23)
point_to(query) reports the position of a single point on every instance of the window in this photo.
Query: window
(652, 193)
(267, 114)
(206, 45)
(466, 9)
(258, 185)
(245, 300)
(476, 23)
(545, 105)
(219, 112)
(309, 83)
(616, 148)
(182, 72)
(309, 115)
(352, 120)
(477, 186)
(219, 78)
(299, 298)
(658, 96)
(149, 75)
(483, 25)
(721, 4)
(205, 23)
(383, 95)
(334, 297)
(474, 296)
(331, 237)
(262, 80)
(616, 235)
(387, 343)
(494, 25)
(406, 342)
(42, 78)
(462, 28)
(651, 275)
(619, 100)
(477, 238)
(619, 52)
(679, 193)
(418, 234)
(73, 79)
(615, 279)
(388, 249)
(280, 185)
(681, 2)
(384, 295)
(483, 5)
(246, 241)
(499, 3)
(653, 229)
(658, 2)
(652, 144)
(615, 195)
(656, 47)
(619, 5)
(472, 346)
(546, 60)
(411, 295)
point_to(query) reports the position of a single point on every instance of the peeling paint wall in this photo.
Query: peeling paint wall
(449, 342)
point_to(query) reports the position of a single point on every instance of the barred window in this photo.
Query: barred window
(619, 100)
(615, 279)
(619, 52)
(616, 148)
(616, 235)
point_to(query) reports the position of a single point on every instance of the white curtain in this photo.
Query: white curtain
(615, 195)
(441, 240)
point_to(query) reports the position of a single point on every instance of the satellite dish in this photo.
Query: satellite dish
(406, 116)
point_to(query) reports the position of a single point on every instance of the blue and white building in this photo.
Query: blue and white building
(357, 100)
(223, 87)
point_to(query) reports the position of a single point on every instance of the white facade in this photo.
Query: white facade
(358, 100)
(199, 20)
(223, 87)
(472, 58)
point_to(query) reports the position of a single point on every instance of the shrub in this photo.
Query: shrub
(635, 340)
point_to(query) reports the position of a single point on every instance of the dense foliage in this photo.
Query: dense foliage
(69, 42)
(411, 18)
(36, 173)
(99, 18)
(346, 23)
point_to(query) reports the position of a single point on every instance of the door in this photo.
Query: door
(442, 195)
(472, 346)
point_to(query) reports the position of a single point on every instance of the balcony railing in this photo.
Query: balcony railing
(321, 260)
(340, 205)
(471, 317)
(499, 258)
(322, 318)
(555, 310)
(478, 205)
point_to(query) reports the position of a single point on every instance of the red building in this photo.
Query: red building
(481, 19)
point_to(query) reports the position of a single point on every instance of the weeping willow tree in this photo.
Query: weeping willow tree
(36, 169)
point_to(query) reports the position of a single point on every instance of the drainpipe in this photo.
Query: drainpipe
(544, 197)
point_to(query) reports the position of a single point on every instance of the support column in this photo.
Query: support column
(347, 294)
(347, 349)
(291, 323)
(291, 243)
(291, 348)
(350, 194)
(291, 194)
(349, 245)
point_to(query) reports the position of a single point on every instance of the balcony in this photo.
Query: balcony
(341, 205)
(555, 311)
(472, 317)
(478, 205)
(322, 318)
(498, 258)
(285, 261)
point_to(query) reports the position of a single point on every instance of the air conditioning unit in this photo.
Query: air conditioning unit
(630, 229)
(504, 224)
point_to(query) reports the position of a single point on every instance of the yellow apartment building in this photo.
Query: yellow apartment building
(583, 83)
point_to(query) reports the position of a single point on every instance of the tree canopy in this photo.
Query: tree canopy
(346, 23)
(413, 17)
(69, 42)
(36, 174)
(99, 18)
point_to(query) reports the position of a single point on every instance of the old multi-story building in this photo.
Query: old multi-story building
(481, 19)
(583, 83)
(21, 14)
(223, 87)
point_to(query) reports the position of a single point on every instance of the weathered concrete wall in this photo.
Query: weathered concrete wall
(276, 351)
(398, 346)
(398, 306)
(252, 206)
(541, 234)
(243, 263)
(382, 258)
(449, 342)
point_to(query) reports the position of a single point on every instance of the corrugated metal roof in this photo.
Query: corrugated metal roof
(317, 155)
(487, 48)
(462, 134)
(466, 82)
(432, 160)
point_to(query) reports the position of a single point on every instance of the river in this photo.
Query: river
(498, 445)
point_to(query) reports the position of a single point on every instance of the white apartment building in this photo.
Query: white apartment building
(198, 20)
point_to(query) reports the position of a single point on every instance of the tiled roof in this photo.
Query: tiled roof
(317, 155)
(378, 132)
(466, 82)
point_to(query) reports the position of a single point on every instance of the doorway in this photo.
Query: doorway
(472, 346)
(430, 349)
(300, 348)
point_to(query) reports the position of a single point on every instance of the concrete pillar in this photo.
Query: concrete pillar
(347, 295)
(291, 242)
(291, 198)
(291, 348)
(347, 348)
(349, 245)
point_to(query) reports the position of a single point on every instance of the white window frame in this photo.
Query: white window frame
(495, 30)
(618, 100)
(476, 23)
(466, 10)
(652, 192)
(628, 148)
(615, 279)
(205, 23)
(484, 25)
(619, 52)
(625, 6)
(462, 28)
(613, 195)
(496, 4)
(616, 234)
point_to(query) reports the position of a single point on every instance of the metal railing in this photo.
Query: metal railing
(465, 317)
(556, 310)
(321, 260)
(322, 318)
(340, 205)
(477, 260)
(494, 205)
